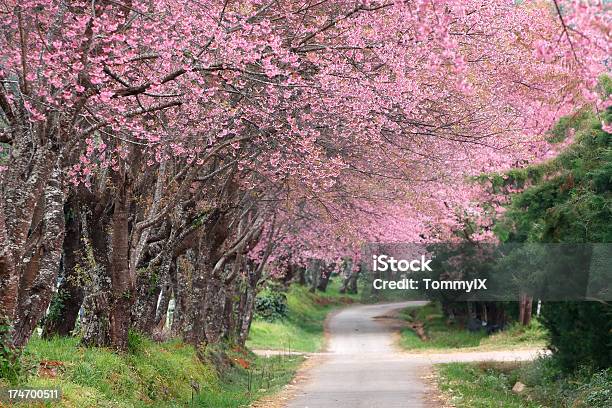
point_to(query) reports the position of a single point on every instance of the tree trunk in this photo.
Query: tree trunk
(213, 310)
(24, 182)
(352, 286)
(326, 272)
(35, 296)
(229, 313)
(254, 274)
(496, 314)
(195, 322)
(9, 279)
(122, 294)
(161, 311)
(349, 284)
(182, 280)
(528, 309)
(290, 272)
(235, 300)
(315, 273)
(240, 310)
(525, 303)
(68, 300)
(207, 295)
(247, 315)
(148, 289)
(97, 290)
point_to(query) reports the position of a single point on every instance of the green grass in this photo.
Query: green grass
(151, 375)
(471, 386)
(241, 387)
(302, 329)
(444, 336)
(489, 384)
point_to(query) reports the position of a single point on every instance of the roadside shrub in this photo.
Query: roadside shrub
(540, 372)
(490, 384)
(495, 381)
(9, 358)
(135, 342)
(270, 305)
(587, 324)
(581, 389)
(597, 393)
(14, 365)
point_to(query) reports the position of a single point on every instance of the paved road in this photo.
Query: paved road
(363, 369)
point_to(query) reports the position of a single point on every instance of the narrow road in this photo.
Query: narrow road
(362, 368)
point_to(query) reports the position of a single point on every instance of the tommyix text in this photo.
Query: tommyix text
(384, 263)
(431, 284)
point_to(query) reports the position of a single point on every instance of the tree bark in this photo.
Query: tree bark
(205, 293)
(326, 271)
(314, 269)
(528, 309)
(289, 275)
(36, 293)
(349, 284)
(247, 314)
(214, 310)
(148, 289)
(352, 287)
(97, 290)
(302, 276)
(23, 184)
(525, 304)
(254, 275)
(9, 279)
(164, 301)
(153, 286)
(69, 297)
(122, 294)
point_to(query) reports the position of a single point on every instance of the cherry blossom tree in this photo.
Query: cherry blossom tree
(256, 127)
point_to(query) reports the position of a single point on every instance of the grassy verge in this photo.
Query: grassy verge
(243, 385)
(443, 336)
(490, 384)
(474, 386)
(302, 329)
(152, 374)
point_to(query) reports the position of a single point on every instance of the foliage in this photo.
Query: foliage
(580, 333)
(573, 204)
(152, 375)
(240, 386)
(12, 366)
(470, 386)
(444, 334)
(475, 262)
(270, 305)
(302, 329)
(479, 384)
(597, 393)
(136, 342)
(56, 307)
